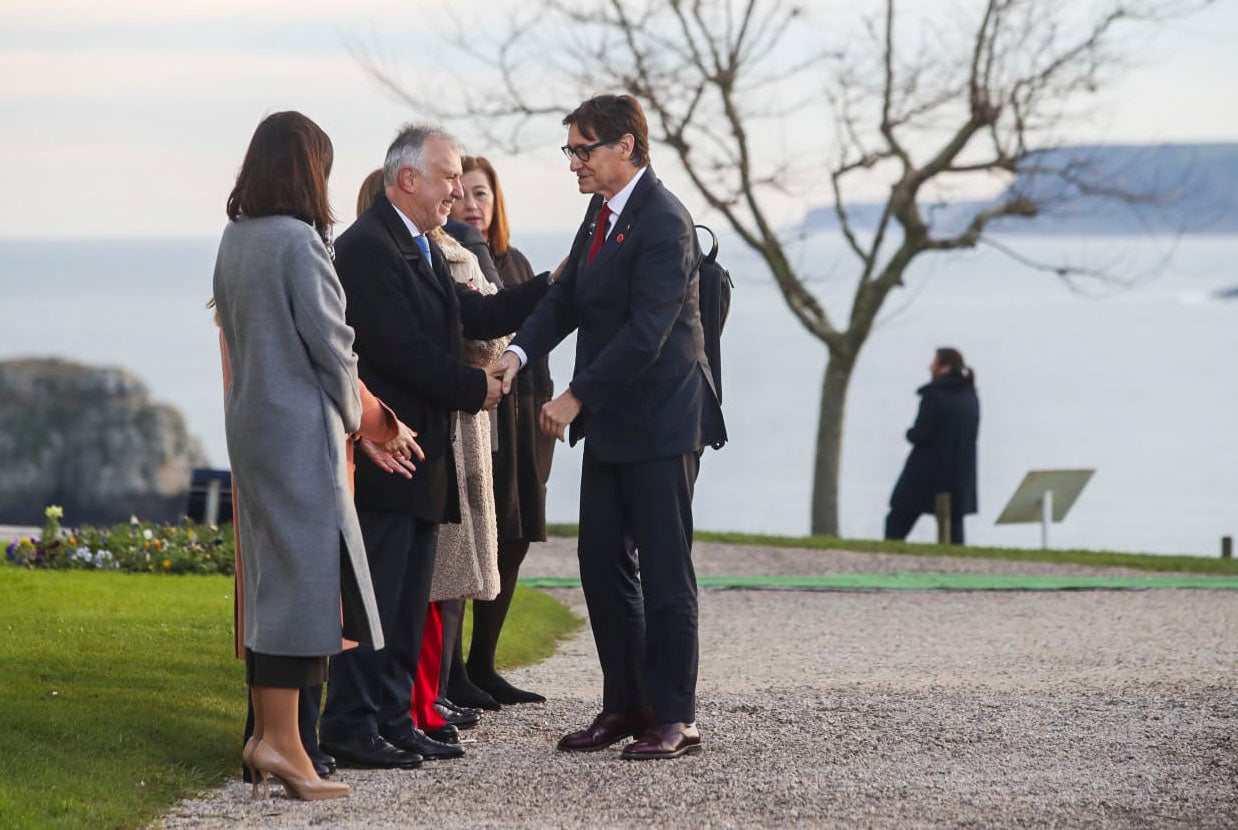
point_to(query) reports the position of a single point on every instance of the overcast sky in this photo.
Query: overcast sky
(129, 118)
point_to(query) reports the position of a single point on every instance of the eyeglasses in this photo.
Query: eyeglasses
(582, 151)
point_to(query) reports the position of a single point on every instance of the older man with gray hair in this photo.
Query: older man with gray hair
(408, 315)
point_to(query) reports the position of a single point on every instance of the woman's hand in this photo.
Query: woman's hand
(404, 444)
(387, 461)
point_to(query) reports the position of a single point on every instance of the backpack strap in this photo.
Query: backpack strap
(713, 249)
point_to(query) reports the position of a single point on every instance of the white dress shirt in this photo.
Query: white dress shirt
(616, 204)
(619, 201)
(408, 223)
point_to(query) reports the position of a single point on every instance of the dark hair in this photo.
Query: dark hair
(952, 359)
(498, 234)
(371, 187)
(610, 117)
(285, 172)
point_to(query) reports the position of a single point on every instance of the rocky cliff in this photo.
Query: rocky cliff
(91, 440)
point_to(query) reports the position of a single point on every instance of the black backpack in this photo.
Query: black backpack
(715, 300)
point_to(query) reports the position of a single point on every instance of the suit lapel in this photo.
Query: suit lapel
(404, 241)
(427, 270)
(627, 218)
(584, 234)
(440, 271)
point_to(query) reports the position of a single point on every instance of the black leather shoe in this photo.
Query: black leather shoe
(459, 709)
(418, 742)
(455, 717)
(371, 752)
(324, 764)
(445, 734)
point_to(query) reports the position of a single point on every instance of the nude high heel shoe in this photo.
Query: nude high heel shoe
(266, 761)
(247, 759)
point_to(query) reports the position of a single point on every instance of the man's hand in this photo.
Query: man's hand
(557, 414)
(386, 460)
(494, 392)
(505, 369)
(404, 445)
(554, 275)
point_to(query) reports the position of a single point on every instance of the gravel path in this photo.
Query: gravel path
(558, 558)
(875, 710)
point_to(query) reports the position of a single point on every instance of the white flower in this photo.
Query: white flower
(54, 512)
(148, 534)
(133, 520)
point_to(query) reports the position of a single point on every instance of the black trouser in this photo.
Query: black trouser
(635, 551)
(371, 691)
(900, 522)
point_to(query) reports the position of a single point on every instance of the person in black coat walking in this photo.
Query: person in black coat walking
(943, 455)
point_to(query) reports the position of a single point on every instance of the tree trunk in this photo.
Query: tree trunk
(830, 444)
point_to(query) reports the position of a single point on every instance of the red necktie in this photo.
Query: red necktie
(599, 235)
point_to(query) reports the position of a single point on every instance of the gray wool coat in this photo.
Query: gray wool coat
(292, 403)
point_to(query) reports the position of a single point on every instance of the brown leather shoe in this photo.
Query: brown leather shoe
(607, 728)
(664, 740)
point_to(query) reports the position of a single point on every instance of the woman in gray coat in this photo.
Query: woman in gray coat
(291, 406)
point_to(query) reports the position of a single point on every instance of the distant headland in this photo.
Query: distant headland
(91, 440)
(1167, 189)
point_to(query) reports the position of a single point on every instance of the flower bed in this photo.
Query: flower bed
(135, 547)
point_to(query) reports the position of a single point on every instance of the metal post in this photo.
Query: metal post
(943, 518)
(212, 502)
(1227, 547)
(1046, 517)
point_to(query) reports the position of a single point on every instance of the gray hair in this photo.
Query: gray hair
(408, 149)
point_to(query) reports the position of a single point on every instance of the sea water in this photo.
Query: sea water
(1135, 380)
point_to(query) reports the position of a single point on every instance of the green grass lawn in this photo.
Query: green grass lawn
(1093, 558)
(119, 693)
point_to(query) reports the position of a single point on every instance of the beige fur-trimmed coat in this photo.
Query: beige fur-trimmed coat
(467, 564)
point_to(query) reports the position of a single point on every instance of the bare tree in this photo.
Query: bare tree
(757, 102)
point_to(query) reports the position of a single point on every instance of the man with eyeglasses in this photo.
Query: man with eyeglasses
(642, 397)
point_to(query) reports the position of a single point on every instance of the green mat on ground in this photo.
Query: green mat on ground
(935, 582)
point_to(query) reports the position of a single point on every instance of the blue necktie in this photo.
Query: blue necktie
(424, 245)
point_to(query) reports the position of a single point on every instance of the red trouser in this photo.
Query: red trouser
(429, 663)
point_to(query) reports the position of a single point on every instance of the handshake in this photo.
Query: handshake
(555, 415)
(499, 377)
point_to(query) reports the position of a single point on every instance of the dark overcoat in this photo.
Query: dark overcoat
(524, 453)
(411, 319)
(943, 455)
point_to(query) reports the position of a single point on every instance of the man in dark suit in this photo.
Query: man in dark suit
(642, 396)
(409, 317)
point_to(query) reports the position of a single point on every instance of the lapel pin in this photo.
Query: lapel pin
(619, 238)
